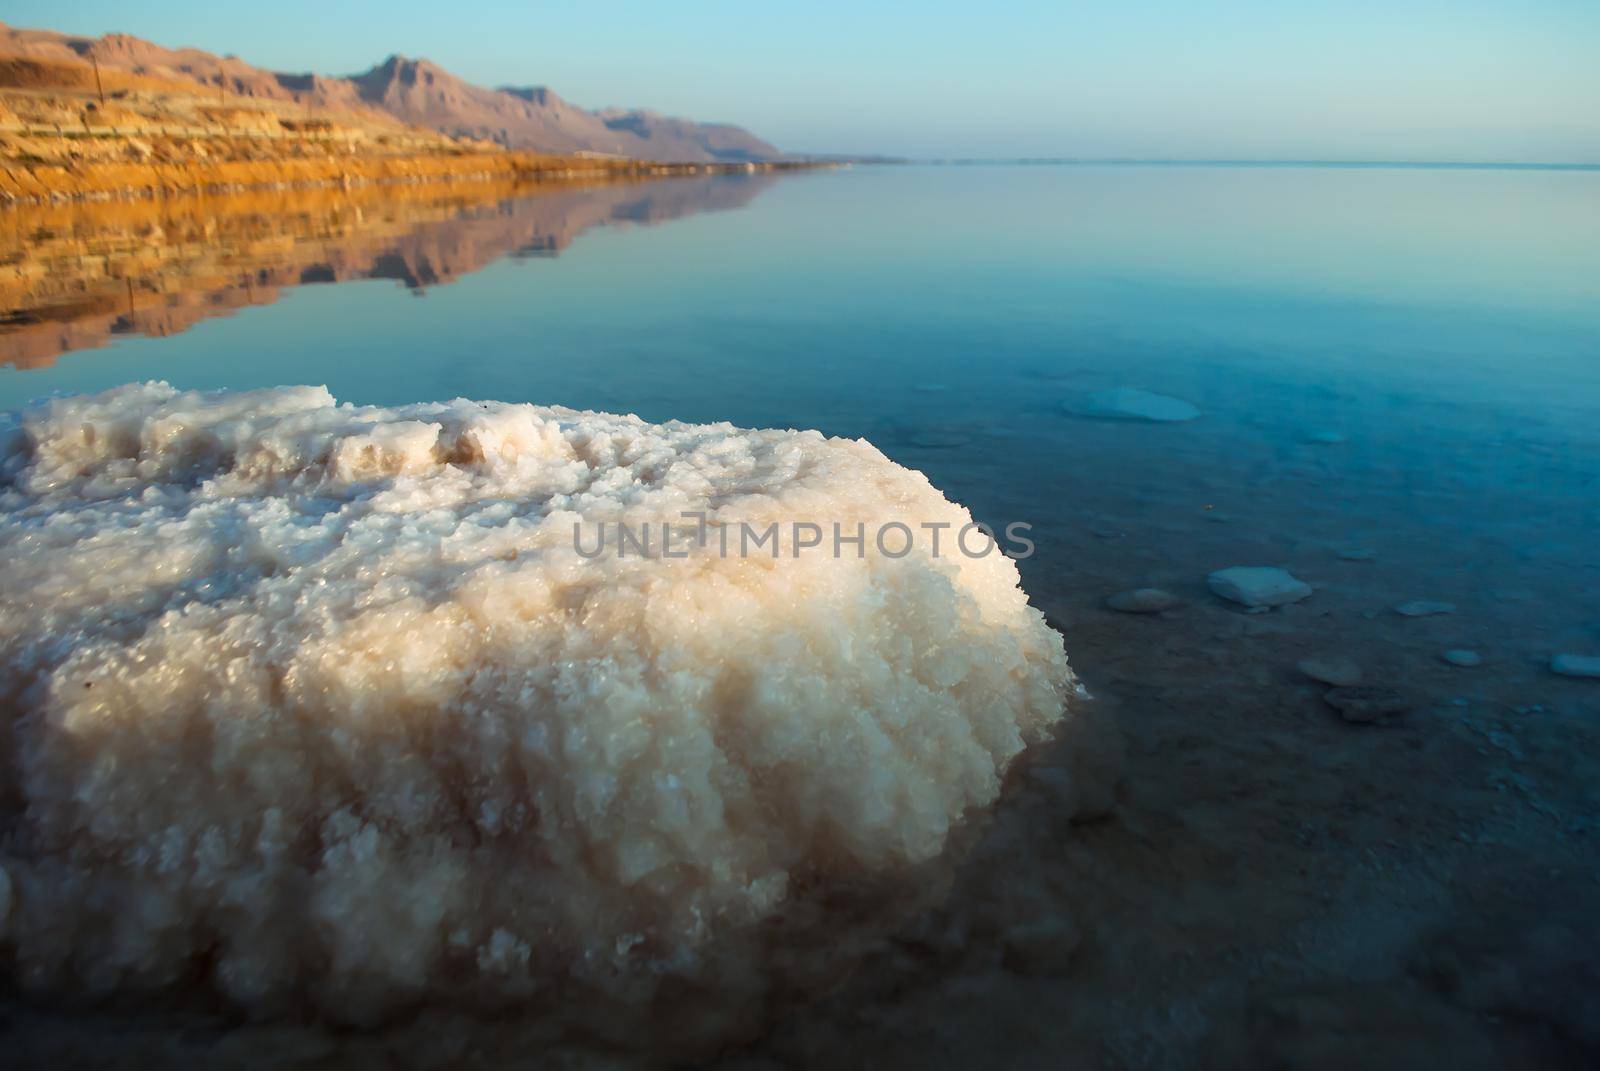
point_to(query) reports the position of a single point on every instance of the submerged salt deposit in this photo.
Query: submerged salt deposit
(321, 703)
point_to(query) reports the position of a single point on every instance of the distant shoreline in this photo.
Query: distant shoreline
(22, 187)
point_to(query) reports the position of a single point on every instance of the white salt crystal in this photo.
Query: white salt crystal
(325, 697)
(1257, 585)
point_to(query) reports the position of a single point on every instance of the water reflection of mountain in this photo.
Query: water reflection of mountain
(73, 276)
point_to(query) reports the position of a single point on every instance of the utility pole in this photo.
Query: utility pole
(100, 89)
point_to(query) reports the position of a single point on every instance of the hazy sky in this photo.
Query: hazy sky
(1337, 79)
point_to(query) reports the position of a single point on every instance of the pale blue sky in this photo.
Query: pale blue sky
(1334, 79)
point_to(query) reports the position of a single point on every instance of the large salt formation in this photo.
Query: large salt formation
(319, 704)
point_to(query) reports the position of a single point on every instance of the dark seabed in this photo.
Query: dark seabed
(1398, 373)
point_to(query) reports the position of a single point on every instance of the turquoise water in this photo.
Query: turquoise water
(1406, 361)
(831, 298)
(1398, 379)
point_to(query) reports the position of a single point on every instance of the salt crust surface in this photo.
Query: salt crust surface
(317, 703)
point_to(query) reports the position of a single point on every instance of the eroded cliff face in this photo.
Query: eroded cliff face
(400, 96)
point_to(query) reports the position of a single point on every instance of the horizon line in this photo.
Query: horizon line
(1157, 161)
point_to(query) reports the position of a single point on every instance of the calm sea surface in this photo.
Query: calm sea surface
(1397, 374)
(1404, 362)
(919, 294)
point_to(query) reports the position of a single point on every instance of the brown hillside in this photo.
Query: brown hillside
(402, 91)
(117, 116)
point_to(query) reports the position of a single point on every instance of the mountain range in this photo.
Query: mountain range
(416, 92)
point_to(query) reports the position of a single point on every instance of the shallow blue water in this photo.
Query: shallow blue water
(1401, 361)
(833, 297)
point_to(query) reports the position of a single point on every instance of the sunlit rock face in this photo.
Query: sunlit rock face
(324, 707)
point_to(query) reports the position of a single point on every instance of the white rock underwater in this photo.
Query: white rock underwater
(1126, 403)
(323, 705)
